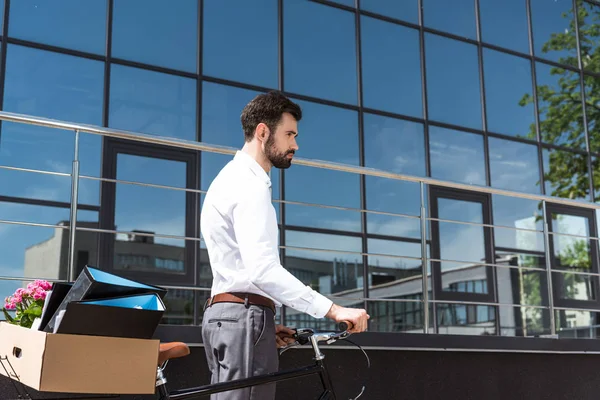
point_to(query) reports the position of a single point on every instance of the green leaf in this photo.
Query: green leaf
(7, 316)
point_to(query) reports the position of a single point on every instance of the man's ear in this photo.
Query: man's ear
(262, 132)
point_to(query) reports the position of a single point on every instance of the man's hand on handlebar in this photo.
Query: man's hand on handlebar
(284, 335)
(355, 316)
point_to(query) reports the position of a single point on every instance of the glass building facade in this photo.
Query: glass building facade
(477, 93)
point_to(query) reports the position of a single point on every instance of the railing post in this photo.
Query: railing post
(73, 218)
(424, 261)
(548, 269)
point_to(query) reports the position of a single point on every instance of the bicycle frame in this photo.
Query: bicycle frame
(318, 368)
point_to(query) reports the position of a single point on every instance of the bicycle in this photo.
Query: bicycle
(302, 336)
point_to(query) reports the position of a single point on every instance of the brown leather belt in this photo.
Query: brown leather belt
(242, 298)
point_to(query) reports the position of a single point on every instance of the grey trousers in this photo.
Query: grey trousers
(240, 342)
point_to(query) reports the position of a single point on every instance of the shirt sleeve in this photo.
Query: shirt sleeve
(255, 227)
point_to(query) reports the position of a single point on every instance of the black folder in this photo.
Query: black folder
(134, 316)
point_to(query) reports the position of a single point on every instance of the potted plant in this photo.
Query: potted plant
(27, 303)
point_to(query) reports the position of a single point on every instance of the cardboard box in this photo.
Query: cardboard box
(78, 363)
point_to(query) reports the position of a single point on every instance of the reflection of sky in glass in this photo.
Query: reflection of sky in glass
(44, 22)
(393, 85)
(457, 17)
(319, 61)
(497, 16)
(507, 80)
(406, 10)
(514, 166)
(456, 156)
(453, 93)
(152, 32)
(229, 24)
(394, 145)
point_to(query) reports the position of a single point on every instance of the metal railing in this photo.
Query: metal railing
(204, 147)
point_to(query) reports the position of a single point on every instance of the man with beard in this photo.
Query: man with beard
(239, 227)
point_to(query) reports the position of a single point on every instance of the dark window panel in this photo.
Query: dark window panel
(514, 166)
(72, 24)
(152, 102)
(456, 156)
(554, 30)
(589, 35)
(394, 145)
(407, 10)
(508, 84)
(157, 33)
(453, 90)
(560, 110)
(393, 85)
(235, 47)
(457, 17)
(566, 174)
(319, 61)
(497, 16)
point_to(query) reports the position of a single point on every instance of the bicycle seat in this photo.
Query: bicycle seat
(171, 350)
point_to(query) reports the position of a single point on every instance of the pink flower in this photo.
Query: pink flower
(9, 304)
(45, 285)
(39, 294)
(18, 296)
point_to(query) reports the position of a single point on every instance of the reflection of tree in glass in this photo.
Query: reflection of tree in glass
(576, 257)
(531, 295)
(561, 113)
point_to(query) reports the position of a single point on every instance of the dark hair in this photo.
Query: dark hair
(268, 109)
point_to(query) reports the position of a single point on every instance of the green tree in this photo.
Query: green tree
(560, 106)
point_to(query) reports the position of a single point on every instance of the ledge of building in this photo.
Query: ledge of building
(422, 342)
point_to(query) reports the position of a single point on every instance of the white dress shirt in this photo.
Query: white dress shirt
(239, 227)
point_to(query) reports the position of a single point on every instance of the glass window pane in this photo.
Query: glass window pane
(507, 84)
(592, 107)
(154, 171)
(393, 85)
(152, 103)
(319, 61)
(566, 174)
(73, 24)
(33, 185)
(554, 30)
(152, 32)
(53, 85)
(574, 324)
(496, 16)
(456, 156)
(396, 316)
(235, 29)
(457, 17)
(514, 166)
(56, 86)
(521, 214)
(326, 187)
(453, 93)
(575, 286)
(588, 35)
(349, 3)
(392, 195)
(325, 133)
(327, 272)
(407, 10)
(560, 110)
(394, 145)
(221, 122)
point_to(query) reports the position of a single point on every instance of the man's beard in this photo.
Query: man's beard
(278, 160)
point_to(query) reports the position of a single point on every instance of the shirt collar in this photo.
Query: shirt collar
(244, 158)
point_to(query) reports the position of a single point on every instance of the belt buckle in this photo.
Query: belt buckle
(246, 303)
